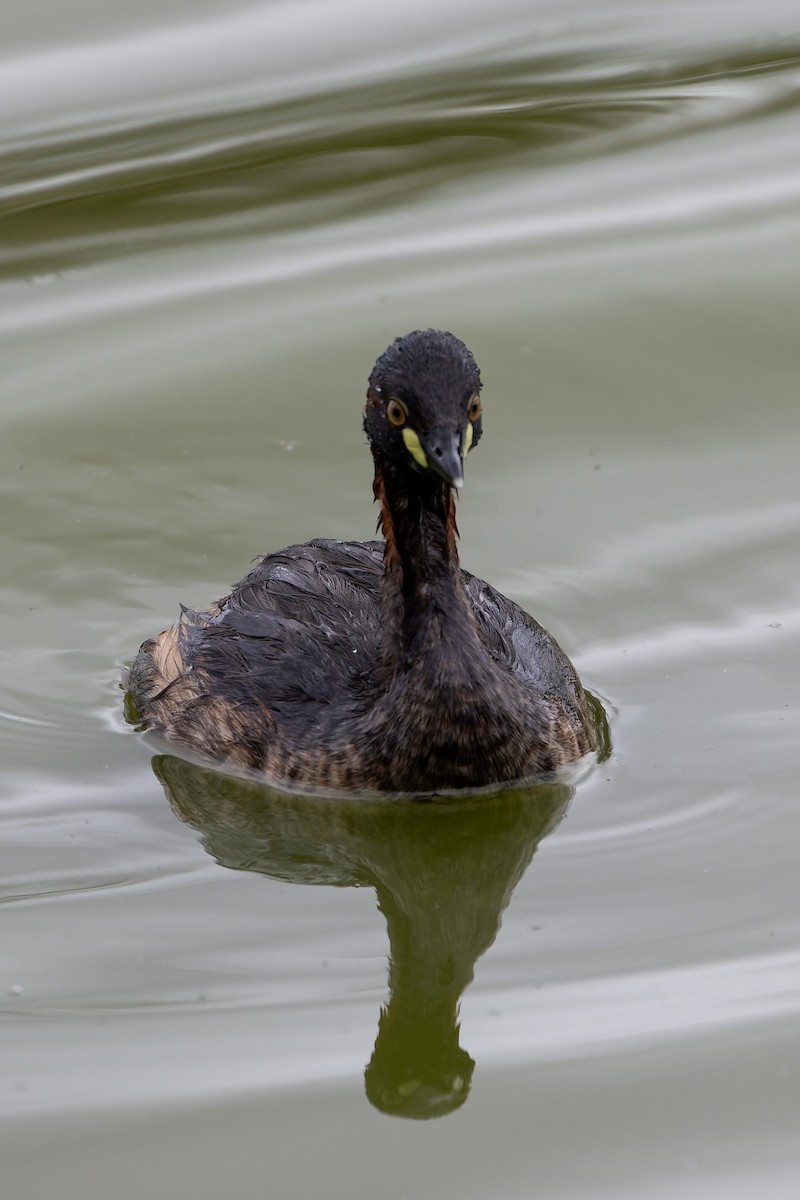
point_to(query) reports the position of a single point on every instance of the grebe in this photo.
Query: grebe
(376, 666)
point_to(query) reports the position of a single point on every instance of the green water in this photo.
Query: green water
(212, 223)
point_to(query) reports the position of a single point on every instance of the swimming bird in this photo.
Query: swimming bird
(376, 666)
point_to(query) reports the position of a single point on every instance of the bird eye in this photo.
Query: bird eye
(475, 408)
(396, 413)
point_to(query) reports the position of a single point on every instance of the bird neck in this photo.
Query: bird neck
(424, 605)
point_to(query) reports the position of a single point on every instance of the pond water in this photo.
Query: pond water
(214, 221)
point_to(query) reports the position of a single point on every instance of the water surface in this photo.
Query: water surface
(214, 221)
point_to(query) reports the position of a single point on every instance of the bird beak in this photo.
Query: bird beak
(444, 451)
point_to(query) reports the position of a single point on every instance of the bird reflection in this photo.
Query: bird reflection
(443, 869)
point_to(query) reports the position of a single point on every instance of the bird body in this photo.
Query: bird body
(376, 666)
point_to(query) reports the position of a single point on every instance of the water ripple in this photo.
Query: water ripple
(605, 1015)
(141, 176)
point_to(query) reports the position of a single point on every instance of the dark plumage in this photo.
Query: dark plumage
(368, 665)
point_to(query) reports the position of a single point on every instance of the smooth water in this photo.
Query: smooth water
(213, 221)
